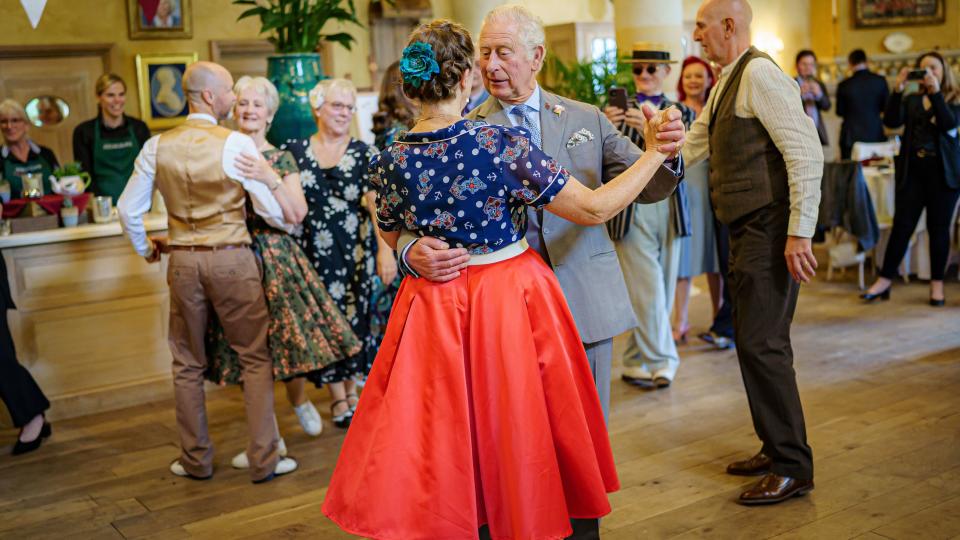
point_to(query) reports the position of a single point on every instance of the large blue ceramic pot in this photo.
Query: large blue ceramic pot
(294, 75)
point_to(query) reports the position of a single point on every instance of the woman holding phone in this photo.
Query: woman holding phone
(926, 169)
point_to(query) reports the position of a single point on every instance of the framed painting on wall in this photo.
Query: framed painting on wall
(878, 13)
(163, 101)
(159, 19)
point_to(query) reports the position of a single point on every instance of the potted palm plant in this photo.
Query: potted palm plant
(294, 28)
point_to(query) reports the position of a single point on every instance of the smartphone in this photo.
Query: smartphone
(617, 97)
(916, 74)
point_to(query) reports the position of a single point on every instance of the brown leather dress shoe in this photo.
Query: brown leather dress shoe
(774, 488)
(755, 466)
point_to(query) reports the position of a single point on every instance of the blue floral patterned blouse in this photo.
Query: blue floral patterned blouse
(468, 184)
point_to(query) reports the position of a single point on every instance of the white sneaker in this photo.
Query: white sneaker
(309, 418)
(240, 460)
(664, 376)
(284, 466)
(177, 468)
(637, 375)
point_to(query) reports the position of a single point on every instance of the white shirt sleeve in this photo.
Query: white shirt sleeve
(697, 146)
(264, 203)
(774, 98)
(137, 196)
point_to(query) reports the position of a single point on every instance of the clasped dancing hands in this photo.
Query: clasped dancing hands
(663, 130)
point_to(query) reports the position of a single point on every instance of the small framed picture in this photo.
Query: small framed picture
(159, 19)
(879, 13)
(163, 101)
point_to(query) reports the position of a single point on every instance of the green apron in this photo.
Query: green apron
(113, 162)
(12, 169)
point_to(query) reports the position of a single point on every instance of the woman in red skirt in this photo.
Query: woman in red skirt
(480, 408)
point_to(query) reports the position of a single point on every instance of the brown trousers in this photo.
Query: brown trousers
(229, 282)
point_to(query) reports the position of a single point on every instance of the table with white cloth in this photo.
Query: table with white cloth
(882, 186)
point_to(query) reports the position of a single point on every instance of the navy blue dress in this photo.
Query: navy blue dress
(444, 184)
(337, 236)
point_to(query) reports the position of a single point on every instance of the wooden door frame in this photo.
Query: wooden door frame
(102, 50)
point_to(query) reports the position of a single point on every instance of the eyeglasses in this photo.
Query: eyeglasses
(651, 69)
(340, 107)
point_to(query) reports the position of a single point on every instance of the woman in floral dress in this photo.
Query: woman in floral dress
(306, 331)
(338, 234)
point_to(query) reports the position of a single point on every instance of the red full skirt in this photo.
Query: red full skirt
(480, 409)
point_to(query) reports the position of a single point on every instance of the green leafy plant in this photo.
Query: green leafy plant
(294, 25)
(69, 169)
(587, 80)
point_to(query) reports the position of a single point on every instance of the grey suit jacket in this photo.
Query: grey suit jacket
(584, 258)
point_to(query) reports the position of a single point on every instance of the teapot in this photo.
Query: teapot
(70, 185)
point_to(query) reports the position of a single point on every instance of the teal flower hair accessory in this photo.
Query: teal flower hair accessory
(418, 63)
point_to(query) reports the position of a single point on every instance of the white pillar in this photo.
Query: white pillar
(470, 13)
(651, 20)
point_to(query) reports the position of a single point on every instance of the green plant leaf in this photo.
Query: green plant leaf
(342, 38)
(251, 12)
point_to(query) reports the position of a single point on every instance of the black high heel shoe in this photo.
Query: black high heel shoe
(870, 297)
(25, 447)
(938, 303)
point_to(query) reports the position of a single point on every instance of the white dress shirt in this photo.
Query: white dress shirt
(136, 197)
(772, 97)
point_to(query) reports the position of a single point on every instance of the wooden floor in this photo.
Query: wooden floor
(880, 387)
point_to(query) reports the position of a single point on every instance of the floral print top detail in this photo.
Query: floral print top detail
(468, 184)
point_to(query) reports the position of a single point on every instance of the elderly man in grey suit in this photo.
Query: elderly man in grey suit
(581, 138)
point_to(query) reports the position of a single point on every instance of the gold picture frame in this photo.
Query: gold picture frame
(881, 13)
(163, 101)
(160, 19)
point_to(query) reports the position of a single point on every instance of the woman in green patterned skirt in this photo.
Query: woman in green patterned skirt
(306, 330)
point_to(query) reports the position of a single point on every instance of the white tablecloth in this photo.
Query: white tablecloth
(882, 187)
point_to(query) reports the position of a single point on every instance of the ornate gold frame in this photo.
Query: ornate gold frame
(906, 20)
(137, 31)
(144, 61)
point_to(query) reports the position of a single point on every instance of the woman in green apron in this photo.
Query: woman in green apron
(19, 155)
(106, 146)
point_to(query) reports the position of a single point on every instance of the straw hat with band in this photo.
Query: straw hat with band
(645, 52)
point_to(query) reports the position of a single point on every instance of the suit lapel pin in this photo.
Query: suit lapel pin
(558, 109)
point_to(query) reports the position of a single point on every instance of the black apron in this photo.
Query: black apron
(113, 162)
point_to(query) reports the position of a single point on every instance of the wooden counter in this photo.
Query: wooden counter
(91, 323)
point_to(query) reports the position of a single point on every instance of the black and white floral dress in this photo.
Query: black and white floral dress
(338, 237)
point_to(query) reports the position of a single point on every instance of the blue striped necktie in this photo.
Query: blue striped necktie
(526, 112)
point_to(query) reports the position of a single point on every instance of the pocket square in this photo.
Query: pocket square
(580, 137)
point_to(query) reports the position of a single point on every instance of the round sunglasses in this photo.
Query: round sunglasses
(651, 69)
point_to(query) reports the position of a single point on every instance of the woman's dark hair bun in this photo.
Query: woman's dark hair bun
(453, 48)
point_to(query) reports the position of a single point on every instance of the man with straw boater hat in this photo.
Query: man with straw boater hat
(648, 236)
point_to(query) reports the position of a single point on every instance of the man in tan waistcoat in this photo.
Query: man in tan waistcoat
(765, 168)
(211, 265)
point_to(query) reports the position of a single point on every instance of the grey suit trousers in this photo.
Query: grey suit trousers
(600, 357)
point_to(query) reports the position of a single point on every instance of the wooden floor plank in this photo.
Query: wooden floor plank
(939, 521)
